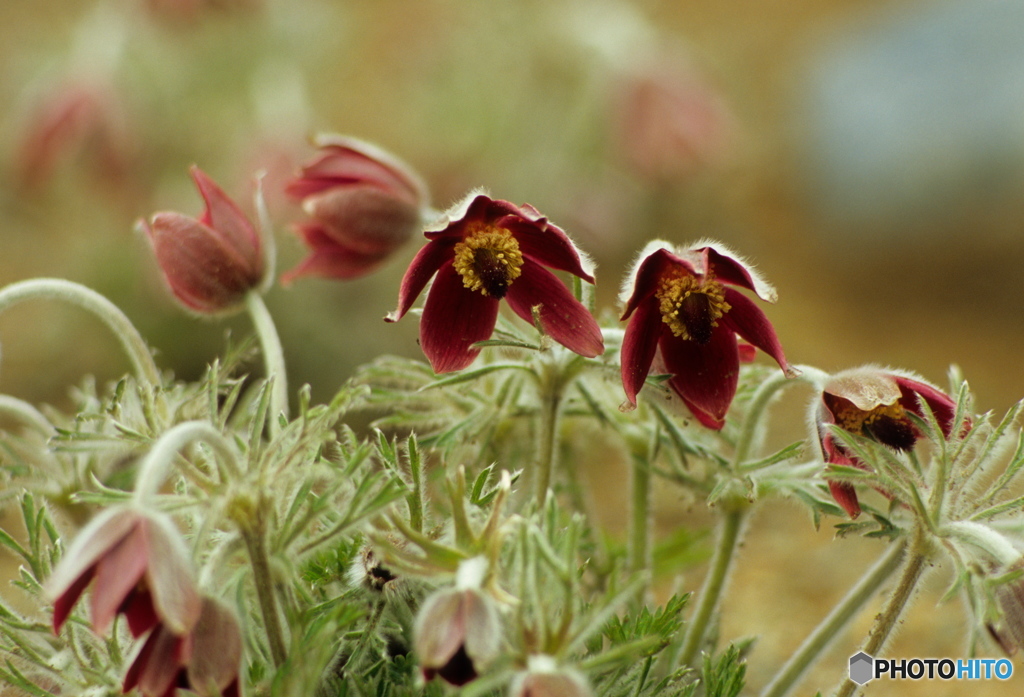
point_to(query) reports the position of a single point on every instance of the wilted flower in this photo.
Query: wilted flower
(205, 660)
(458, 630)
(364, 203)
(543, 678)
(484, 250)
(874, 403)
(141, 569)
(212, 261)
(679, 301)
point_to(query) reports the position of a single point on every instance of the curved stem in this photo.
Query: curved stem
(153, 469)
(763, 397)
(983, 537)
(273, 356)
(886, 620)
(730, 528)
(27, 414)
(86, 298)
(837, 620)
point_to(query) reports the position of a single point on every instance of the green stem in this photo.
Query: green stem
(107, 312)
(273, 356)
(730, 528)
(837, 620)
(640, 552)
(153, 468)
(547, 441)
(255, 543)
(886, 621)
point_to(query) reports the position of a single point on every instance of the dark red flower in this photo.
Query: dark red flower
(875, 403)
(212, 261)
(484, 250)
(205, 661)
(680, 302)
(457, 634)
(140, 567)
(363, 204)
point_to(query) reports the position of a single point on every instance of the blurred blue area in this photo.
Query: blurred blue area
(919, 114)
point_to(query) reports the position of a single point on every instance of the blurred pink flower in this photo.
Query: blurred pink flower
(544, 678)
(481, 251)
(363, 202)
(205, 660)
(669, 121)
(678, 302)
(74, 119)
(140, 567)
(212, 261)
(875, 403)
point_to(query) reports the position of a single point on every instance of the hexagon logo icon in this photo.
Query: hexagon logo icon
(861, 668)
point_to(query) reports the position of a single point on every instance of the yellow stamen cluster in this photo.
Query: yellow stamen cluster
(488, 259)
(673, 292)
(849, 418)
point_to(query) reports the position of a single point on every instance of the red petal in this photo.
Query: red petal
(548, 245)
(747, 352)
(454, 318)
(651, 270)
(639, 345)
(66, 600)
(139, 611)
(730, 270)
(117, 574)
(846, 496)
(705, 376)
(941, 404)
(330, 259)
(746, 319)
(364, 219)
(562, 316)
(225, 217)
(424, 265)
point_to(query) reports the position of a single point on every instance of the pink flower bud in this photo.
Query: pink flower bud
(544, 678)
(205, 660)
(363, 204)
(212, 261)
(140, 567)
(457, 633)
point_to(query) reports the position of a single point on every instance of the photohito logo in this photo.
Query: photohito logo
(865, 668)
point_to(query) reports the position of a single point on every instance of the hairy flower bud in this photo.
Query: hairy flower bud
(212, 261)
(363, 204)
(544, 678)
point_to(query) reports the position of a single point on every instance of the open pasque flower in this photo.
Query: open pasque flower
(681, 303)
(363, 204)
(484, 250)
(212, 261)
(874, 403)
(139, 567)
(205, 660)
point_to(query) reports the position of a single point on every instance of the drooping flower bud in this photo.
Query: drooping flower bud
(140, 568)
(458, 630)
(363, 204)
(212, 261)
(544, 678)
(206, 660)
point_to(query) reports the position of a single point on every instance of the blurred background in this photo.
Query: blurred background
(868, 156)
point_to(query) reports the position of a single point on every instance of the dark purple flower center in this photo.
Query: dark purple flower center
(488, 259)
(691, 306)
